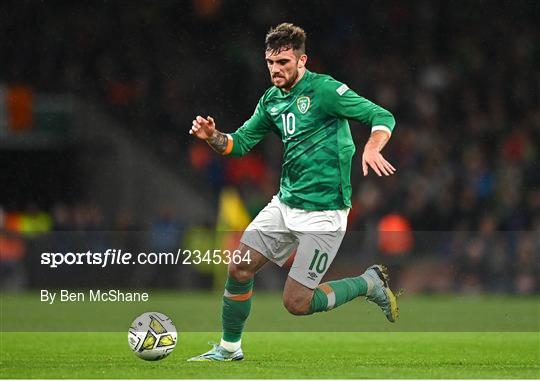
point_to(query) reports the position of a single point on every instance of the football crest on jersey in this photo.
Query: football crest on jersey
(303, 104)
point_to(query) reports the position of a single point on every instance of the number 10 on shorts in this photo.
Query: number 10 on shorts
(319, 261)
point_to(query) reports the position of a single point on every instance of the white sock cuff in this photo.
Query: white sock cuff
(231, 347)
(369, 282)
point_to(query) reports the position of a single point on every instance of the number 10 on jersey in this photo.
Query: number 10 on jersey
(289, 123)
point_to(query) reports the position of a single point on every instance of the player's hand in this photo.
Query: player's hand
(203, 128)
(373, 158)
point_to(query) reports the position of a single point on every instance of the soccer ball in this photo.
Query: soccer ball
(152, 336)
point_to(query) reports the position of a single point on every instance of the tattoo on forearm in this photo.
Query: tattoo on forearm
(218, 142)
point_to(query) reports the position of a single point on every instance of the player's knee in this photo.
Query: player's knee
(239, 273)
(297, 306)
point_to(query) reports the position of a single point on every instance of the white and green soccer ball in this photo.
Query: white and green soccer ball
(152, 336)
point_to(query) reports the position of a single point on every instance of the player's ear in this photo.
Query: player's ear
(302, 61)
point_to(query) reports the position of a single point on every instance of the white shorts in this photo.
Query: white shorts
(316, 235)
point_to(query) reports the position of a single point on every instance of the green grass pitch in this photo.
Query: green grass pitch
(378, 354)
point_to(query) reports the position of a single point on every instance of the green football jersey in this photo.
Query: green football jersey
(311, 120)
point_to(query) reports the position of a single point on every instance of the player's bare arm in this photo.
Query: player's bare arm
(205, 129)
(372, 156)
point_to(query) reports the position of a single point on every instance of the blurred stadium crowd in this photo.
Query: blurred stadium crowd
(462, 79)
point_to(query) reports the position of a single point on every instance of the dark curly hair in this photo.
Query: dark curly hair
(286, 36)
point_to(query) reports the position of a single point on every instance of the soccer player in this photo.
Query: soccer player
(309, 111)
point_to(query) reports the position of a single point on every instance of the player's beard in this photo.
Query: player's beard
(290, 82)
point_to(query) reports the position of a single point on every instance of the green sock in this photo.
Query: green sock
(337, 292)
(236, 307)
